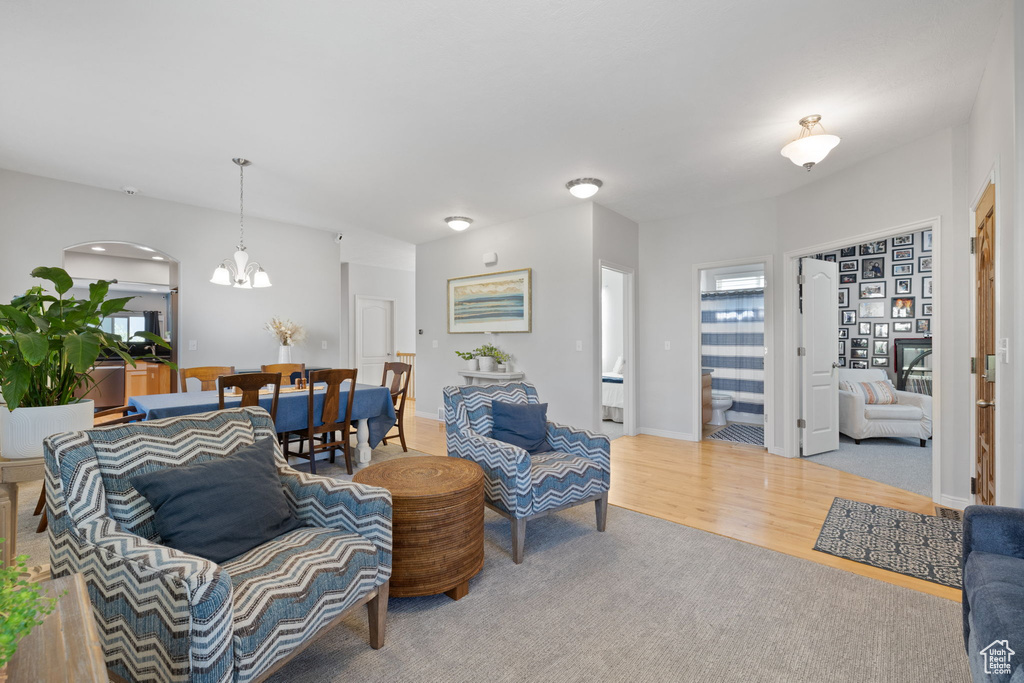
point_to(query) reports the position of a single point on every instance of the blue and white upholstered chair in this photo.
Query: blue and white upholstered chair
(166, 615)
(518, 485)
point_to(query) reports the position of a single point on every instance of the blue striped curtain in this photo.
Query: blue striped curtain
(732, 344)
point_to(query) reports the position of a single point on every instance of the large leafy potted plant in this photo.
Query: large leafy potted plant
(48, 347)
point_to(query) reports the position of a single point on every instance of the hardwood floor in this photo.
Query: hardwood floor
(733, 490)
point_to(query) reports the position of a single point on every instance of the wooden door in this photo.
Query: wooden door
(985, 347)
(820, 338)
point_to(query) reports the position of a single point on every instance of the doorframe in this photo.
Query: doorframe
(629, 417)
(768, 261)
(791, 436)
(356, 345)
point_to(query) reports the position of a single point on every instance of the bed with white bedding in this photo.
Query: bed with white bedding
(613, 396)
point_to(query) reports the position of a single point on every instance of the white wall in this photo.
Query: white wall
(39, 217)
(102, 267)
(611, 318)
(558, 247)
(386, 283)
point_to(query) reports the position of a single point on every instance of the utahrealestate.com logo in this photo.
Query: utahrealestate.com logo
(997, 657)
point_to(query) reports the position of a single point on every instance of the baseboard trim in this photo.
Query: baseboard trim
(954, 502)
(427, 415)
(679, 436)
(777, 451)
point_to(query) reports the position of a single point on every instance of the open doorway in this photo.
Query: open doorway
(884, 365)
(617, 389)
(731, 343)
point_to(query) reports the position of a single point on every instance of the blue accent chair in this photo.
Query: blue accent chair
(518, 485)
(993, 588)
(167, 615)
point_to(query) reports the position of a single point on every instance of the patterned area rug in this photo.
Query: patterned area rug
(908, 543)
(741, 433)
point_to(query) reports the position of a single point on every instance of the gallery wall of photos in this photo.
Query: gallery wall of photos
(885, 293)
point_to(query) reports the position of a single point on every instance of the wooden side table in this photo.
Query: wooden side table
(66, 647)
(12, 472)
(437, 523)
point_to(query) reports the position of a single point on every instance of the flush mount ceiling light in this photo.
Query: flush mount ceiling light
(810, 147)
(584, 187)
(458, 223)
(237, 271)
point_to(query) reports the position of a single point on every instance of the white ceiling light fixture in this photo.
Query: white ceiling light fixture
(584, 188)
(810, 147)
(238, 271)
(458, 223)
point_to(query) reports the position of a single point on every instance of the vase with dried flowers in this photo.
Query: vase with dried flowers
(288, 334)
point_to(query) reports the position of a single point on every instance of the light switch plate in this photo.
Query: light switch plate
(579, 345)
(433, 344)
(193, 345)
(323, 344)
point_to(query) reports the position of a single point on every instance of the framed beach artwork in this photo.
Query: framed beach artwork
(493, 302)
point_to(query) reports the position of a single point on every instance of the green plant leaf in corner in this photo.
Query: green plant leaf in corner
(82, 349)
(33, 346)
(62, 282)
(114, 305)
(16, 381)
(98, 291)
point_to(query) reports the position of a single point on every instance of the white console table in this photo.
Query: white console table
(477, 377)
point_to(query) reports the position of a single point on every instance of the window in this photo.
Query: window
(126, 325)
(728, 283)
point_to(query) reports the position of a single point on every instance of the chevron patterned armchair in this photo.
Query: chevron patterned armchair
(518, 485)
(166, 615)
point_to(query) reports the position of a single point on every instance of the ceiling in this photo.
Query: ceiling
(388, 116)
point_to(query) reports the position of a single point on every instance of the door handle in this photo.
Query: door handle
(986, 404)
(833, 370)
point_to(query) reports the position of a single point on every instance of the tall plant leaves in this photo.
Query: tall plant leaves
(34, 346)
(82, 350)
(62, 282)
(16, 381)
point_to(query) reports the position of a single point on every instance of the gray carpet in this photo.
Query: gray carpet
(612, 429)
(897, 462)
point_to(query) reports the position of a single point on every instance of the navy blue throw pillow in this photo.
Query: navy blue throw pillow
(220, 508)
(523, 425)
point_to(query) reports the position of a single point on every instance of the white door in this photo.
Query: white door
(820, 340)
(375, 337)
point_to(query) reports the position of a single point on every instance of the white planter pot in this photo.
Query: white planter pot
(284, 353)
(23, 430)
(472, 364)
(486, 364)
(502, 367)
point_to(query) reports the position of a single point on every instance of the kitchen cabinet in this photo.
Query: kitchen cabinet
(145, 379)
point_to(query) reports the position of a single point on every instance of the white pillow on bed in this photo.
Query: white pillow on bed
(619, 364)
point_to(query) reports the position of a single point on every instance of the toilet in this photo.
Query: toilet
(719, 404)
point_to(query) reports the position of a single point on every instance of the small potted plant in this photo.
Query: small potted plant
(489, 355)
(22, 608)
(503, 360)
(470, 358)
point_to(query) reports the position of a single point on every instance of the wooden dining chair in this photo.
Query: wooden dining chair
(287, 370)
(250, 383)
(330, 424)
(401, 373)
(101, 418)
(207, 376)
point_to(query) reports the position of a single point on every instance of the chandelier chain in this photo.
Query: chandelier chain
(241, 206)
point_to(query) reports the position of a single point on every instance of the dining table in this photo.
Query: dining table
(373, 411)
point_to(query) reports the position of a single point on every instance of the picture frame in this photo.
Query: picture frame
(871, 248)
(872, 290)
(842, 362)
(844, 297)
(880, 362)
(842, 348)
(858, 365)
(900, 269)
(847, 278)
(848, 266)
(926, 240)
(924, 325)
(864, 329)
(491, 302)
(881, 330)
(844, 332)
(903, 285)
(880, 348)
(926, 309)
(926, 287)
(859, 343)
(872, 268)
(858, 353)
(848, 317)
(830, 257)
(904, 254)
(899, 326)
(846, 252)
(872, 309)
(902, 307)
(924, 264)
(903, 241)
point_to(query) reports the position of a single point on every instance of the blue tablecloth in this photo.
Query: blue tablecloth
(370, 403)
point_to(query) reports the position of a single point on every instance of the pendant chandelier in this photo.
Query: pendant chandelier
(238, 271)
(810, 147)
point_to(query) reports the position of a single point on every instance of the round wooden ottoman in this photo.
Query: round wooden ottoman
(437, 523)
